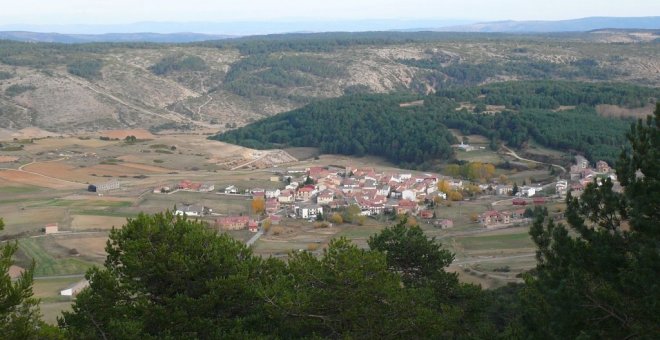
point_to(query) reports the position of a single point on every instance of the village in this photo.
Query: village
(62, 196)
(316, 193)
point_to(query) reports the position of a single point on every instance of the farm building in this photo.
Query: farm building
(231, 190)
(192, 210)
(51, 228)
(232, 222)
(75, 288)
(109, 185)
(444, 224)
(207, 187)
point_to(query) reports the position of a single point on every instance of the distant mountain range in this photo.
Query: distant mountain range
(109, 37)
(166, 32)
(574, 25)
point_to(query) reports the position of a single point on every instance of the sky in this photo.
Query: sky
(73, 12)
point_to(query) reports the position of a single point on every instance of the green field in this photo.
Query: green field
(19, 189)
(496, 242)
(49, 260)
(48, 289)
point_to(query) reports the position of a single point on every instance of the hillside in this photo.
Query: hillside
(211, 86)
(413, 131)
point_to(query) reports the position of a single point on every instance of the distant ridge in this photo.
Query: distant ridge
(109, 37)
(172, 32)
(573, 25)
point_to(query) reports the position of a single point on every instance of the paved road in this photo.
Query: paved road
(58, 277)
(255, 237)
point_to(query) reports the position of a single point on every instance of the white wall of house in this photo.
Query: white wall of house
(408, 195)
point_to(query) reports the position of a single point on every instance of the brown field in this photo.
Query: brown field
(143, 167)
(26, 133)
(19, 217)
(58, 143)
(34, 179)
(7, 159)
(607, 110)
(87, 222)
(90, 247)
(72, 173)
(121, 134)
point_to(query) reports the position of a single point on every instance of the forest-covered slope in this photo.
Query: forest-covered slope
(416, 135)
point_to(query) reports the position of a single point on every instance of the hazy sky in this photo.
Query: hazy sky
(129, 11)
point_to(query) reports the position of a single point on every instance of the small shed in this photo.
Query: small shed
(51, 228)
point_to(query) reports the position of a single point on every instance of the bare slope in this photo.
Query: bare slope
(212, 86)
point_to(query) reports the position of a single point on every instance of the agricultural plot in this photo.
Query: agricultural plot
(96, 222)
(50, 258)
(26, 178)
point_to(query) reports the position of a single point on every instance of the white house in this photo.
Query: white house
(308, 210)
(231, 190)
(272, 193)
(190, 210)
(503, 190)
(383, 190)
(286, 196)
(325, 197)
(408, 195)
(529, 191)
(561, 187)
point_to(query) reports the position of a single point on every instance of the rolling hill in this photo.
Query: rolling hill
(216, 85)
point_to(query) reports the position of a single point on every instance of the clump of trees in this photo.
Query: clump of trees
(474, 171)
(16, 89)
(178, 63)
(85, 68)
(359, 125)
(258, 205)
(166, 276)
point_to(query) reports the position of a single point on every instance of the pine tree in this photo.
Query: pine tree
(600, 280)
(20, 317)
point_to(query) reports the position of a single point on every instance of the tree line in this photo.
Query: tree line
(450, 75)
(375, 124)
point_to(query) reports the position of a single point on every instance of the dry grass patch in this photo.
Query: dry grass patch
(121, 134)
(91, 247)
(34, 179)
(616, 111)
(87, 222)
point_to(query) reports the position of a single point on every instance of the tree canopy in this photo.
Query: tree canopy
(598, 276)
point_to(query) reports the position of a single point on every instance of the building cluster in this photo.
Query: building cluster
(332, 188)
(582, 173)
